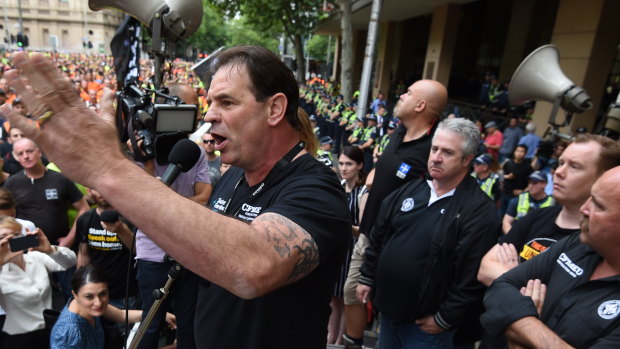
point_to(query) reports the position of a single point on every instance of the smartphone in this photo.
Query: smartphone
(23, 242)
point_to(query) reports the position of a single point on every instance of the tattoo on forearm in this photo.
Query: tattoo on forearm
(288, 237)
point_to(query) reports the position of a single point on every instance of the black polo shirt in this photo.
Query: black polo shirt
(296, 315)
(583, 312)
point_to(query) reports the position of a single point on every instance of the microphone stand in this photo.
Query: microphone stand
(159, 295)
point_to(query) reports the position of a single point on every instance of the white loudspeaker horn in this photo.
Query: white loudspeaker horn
(180, 21)
(539, 77)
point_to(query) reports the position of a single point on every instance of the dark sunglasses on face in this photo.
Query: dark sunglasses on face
(207, 141)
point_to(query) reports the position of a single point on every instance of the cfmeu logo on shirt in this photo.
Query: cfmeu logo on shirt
(407, 205)
(609, 309)
(249, 212)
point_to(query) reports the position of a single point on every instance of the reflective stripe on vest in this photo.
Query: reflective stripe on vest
(487, 185)
(524, 205)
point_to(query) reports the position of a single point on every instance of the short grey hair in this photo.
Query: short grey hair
(464, 128)
(530, 127)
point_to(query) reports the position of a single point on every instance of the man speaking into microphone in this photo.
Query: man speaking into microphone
(278, 226)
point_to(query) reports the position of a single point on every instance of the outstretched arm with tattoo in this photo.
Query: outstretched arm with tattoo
(247, 260)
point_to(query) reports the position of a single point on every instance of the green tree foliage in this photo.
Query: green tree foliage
(317, 47)
(295, 18)
(241, 33)
(213, 30)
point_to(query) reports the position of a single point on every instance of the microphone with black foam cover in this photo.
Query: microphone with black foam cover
(109, 216)
(183, 156)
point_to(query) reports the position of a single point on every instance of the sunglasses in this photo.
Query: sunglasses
(207, 141)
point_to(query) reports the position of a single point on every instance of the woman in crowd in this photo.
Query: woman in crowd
(79, 325)
(350, 165)
(25, 289)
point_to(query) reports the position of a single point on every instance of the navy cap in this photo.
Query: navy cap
(392, 125)
(326, 140)
(538, 176)
(483, 159)
(371, 117)
(312, 117)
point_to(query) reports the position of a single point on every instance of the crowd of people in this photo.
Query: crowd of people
(407, 214)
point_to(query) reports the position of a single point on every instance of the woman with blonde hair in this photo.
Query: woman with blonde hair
(25, 289)
(306, 133)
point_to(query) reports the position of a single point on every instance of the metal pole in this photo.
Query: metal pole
(329, 48)
(369, 57)
(307, 59)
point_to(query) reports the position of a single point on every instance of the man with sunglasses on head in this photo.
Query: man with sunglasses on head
(213, 158)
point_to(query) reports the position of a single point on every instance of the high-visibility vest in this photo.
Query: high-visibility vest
(385, 139)
(357, 134)
(487, 184)
(524, 205)
(368, 131)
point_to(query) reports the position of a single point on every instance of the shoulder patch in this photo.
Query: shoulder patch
(407, 205)
(609, 309)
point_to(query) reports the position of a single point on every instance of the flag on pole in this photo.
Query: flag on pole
(125, 48)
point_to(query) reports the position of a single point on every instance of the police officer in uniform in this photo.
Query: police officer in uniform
(534, 197)
(488, 181)
(367, 142)
(324, 154)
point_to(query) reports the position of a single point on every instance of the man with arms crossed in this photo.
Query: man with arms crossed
(574, 286)
(580, 166)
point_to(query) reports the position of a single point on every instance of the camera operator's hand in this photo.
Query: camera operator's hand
(83, 144)
(149, 165)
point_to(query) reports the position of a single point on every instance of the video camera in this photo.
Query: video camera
(154, 117)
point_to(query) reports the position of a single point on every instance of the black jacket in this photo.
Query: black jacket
(449, 289)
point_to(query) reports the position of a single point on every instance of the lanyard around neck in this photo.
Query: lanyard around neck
(271, 177)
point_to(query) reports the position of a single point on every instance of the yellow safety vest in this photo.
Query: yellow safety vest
(487, 185)
(524, 206)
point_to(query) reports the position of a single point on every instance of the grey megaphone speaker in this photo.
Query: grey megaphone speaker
(180, 21)
(539, 77)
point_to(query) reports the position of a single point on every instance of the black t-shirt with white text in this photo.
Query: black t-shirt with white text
(295, 315)
(106, 252)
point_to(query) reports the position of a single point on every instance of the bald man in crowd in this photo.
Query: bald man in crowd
(571, 291)
(403, 160)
